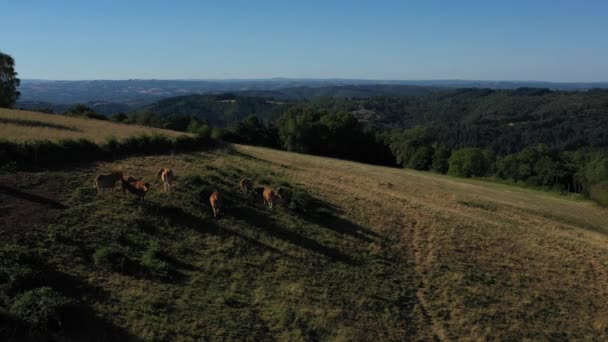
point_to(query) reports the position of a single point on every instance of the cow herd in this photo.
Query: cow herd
(139, 188)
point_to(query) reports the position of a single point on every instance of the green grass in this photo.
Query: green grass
(359, 253)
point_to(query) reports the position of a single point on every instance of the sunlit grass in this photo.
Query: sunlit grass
(20, 126)
(372, 253)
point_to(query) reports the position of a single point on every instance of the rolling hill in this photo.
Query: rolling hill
(138, 92)
(18, 125)
(358, 252)
(219, 110)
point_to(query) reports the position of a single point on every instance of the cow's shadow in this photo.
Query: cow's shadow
(261, 221)
(178, 217)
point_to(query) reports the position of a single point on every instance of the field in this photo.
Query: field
(20, 126)
(359, 252)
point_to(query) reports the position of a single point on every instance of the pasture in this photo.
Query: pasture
(22, 126)
(360, 252)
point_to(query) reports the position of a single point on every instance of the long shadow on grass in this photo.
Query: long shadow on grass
(179, 217)
(79, 322)
(322, 213)
(31, 197)
(232, 151)
(29, 123)
(262, 221)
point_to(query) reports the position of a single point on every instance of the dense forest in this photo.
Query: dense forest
(538, 137)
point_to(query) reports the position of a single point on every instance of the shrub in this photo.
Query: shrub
(40, 308)
(469, 162)
(45, 152)
(599, 192)
(19, 268)
(152, 261)
(441, 159)
(109, 258)
(422, 158)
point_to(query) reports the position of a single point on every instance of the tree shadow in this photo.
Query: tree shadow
(31, 197)
(30, 123)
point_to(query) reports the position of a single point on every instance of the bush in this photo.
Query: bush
(40, 309)
(469, 162)
(19, 268)
(152, 261)
(45, 152)
(441, 159)
(599, 192)
(421, 159)
(109, 258)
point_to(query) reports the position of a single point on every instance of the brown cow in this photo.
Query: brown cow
(107, 181)
(269, 196)
(246, 185)
(216, 203)
(129, 179)
(167, 177)
(138, 188)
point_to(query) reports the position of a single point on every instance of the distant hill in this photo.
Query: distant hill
(355, 91)
(104, 108)
(219, 110)
(139, 92)
(504, 120)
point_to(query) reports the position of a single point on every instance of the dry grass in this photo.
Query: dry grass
(431, 257)
(17, 125)
(492, 261)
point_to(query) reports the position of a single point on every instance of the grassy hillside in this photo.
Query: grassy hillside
(360, 253)
(17, 125)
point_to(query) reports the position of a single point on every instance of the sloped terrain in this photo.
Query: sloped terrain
(359, 252)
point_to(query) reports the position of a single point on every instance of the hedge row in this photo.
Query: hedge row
(41, 153)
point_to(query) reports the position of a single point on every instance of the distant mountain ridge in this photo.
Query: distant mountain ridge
(135, 93)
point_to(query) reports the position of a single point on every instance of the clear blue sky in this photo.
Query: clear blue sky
(482, 40)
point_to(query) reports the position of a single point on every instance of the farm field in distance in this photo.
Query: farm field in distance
(360, 252)
(18, 125)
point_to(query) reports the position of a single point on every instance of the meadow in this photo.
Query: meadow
(22, 126)
(32, 140)
(358, 252)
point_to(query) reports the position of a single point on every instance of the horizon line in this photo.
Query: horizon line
(313, 79)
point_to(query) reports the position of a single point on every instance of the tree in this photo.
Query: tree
(119, 117)
(84, 111)
(405, 146)
(469, 162)
(441, 159)
(8, 81)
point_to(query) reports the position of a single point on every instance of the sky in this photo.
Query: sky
(539, 40)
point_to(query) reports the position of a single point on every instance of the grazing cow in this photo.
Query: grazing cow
(167, 176)
(216, 203)
(107, 181)
(138, 188)
(246, 185)
(129, 179)
(259, 191)
(269, 196)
